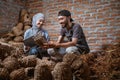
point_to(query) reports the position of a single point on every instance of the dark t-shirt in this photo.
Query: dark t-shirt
(76, 32)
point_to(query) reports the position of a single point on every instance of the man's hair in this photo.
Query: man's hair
(65, 13)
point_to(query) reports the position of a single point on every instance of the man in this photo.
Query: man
(76, 41)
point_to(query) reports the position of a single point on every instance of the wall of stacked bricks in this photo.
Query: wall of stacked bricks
(100, 19)
(9, 13)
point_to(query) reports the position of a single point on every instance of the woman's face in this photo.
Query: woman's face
(40, 23)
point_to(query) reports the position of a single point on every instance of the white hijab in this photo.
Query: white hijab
(37, 17)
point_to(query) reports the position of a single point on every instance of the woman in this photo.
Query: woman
(37, 27)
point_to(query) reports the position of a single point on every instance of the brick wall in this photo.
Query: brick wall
(34, 6)
(9, 13)
(100, 19)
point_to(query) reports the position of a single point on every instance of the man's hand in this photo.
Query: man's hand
(50, 44)
(54, 44)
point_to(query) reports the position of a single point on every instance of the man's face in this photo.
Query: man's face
(63, 20)
(40, 23)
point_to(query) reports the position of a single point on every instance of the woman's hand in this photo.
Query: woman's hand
(45, 46)
(26, 48)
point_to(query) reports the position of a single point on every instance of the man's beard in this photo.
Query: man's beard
(65, 24)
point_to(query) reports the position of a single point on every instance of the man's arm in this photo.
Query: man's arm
(67, 44)
(60, 39)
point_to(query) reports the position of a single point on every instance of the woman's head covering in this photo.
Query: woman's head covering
(37, 17)
(34, 30)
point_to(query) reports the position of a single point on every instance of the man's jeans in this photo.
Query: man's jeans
(63, 51)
